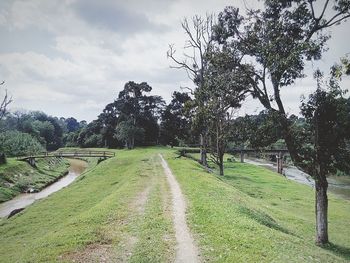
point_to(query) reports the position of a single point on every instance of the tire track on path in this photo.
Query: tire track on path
(186, 250)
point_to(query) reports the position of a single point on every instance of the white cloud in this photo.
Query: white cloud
(80, 65)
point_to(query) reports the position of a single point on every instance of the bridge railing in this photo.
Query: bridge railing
(70, 153)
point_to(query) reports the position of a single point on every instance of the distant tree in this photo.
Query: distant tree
(175, 126)
(127, 131)
(109, 119)
(70, 139)
(72, 124)
(90, 136)
(139, 109)
(82, 124)
(273, 45)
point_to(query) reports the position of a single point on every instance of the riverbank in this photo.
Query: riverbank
(338, 185)
(19, 177)
(21, 201)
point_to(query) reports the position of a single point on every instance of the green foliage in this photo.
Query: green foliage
(127, 131)
(45, 129)
(175, 127)
(256, 131)
(327, 115)
(133, 104)
(15, 143)
(93, 141)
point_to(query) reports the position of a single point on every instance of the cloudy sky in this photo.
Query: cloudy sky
(72, 57)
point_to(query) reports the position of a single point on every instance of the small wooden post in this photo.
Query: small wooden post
(280, 163)
(242, 156)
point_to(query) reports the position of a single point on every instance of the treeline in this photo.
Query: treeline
(137, 118)
(134, 118)
(25, 133)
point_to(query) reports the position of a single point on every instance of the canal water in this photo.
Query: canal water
(338, 185)
(23, 200)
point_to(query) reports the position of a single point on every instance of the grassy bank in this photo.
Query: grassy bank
(105, 213)
(18, 177)
(255, 215)
(120, 210)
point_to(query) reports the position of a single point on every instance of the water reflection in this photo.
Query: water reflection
(339, 185)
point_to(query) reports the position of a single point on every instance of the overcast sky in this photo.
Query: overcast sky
(72, 57)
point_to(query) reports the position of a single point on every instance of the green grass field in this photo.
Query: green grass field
(120, 210)
(17, 176)
(97, 216)
(255, 215)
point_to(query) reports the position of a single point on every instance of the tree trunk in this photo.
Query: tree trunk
(321, 210)
(132, 143)
(203, 150)
(321, 184)
(221, 164)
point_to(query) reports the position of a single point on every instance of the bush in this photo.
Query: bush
(15, 143)
(94, 140)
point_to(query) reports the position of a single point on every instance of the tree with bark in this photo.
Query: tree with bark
(326, 141)
(222, 93)
(273, 45)
(198, 44)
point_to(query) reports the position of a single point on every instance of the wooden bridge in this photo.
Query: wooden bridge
(66, 154)
(278, 152)
(242, 152)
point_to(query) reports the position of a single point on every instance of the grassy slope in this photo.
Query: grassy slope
(254, 215)
(18, 176)
(95, 211)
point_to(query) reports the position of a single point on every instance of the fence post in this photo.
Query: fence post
(279, 163)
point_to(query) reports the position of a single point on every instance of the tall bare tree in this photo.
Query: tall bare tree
(193, 60)
(4, 103)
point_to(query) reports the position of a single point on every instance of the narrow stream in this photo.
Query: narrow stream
(24, 200)
(338, 185)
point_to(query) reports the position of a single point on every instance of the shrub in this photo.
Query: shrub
(15, 143)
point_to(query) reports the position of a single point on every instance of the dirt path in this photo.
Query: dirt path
(186, 250)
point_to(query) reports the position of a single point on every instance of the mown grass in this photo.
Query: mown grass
(94, 210)
(156, 240)
(255, 215)
(249, 215)
(17, 176)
